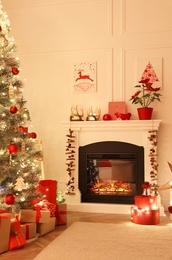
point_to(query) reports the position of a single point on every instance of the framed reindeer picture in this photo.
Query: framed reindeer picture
(84, 77)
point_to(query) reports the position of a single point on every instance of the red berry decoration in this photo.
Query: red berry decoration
(23, 129)
(170, 209)
(32, 135)
(13, 109)
(0, 29)
(15, 71)
(9, 199)
(13, 149)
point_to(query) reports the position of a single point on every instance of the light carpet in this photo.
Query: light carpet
(103, 241)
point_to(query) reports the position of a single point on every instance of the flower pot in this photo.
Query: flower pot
(145, 113)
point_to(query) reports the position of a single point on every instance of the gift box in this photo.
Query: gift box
(52, 208)
(29, 230)
(48, 188)
(4, 230)
(45, 204)
(17, 238)
(44, 228)
(35, 216)
(145, 216)
(61, 214)
(116, 107)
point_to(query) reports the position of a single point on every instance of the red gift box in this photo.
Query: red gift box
(17, 238)
(48, 188)
(145, 216)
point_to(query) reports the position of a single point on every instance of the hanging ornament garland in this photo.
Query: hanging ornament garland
(11, 91)
(70, 152)
(23, 146)
(153, 160)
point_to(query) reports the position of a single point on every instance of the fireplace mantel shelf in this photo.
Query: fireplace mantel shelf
(114, 125)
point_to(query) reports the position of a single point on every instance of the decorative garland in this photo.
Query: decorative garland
(153, 160)
(70, 152)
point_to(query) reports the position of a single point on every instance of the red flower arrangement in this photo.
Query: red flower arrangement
(146, 94)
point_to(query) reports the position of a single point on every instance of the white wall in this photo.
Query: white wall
(117, 34)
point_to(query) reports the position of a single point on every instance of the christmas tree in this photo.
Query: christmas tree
(19, 156)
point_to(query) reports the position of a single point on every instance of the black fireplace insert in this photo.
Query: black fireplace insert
(110, 172)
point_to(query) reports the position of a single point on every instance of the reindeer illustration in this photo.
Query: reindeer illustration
(83, 76)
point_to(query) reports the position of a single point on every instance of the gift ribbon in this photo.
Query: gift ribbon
(38, 211)
(16, 233)
(59, 219)
(38, 214)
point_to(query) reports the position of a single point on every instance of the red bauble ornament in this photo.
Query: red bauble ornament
(9, 199)
(107, 117)
(23, 129)
(15, 71)
(170, 209)
(13, 149)
(13, 109)
(32, 135)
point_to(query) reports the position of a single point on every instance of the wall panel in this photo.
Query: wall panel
(147, 16)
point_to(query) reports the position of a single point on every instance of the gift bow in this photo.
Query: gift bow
(146, 186)
(38, 207)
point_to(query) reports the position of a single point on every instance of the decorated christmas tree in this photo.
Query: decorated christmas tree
(19, 153)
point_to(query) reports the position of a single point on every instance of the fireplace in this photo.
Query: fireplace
(131, 132)
(110, 172)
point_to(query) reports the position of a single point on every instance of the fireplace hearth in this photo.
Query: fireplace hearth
(110, 172)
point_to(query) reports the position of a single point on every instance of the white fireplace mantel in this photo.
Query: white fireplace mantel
(114, 125)
(87, 132)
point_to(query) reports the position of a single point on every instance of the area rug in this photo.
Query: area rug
(103, 241)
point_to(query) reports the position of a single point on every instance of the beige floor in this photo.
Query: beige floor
(32, 249)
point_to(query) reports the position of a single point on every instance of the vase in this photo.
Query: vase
(145, 113)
